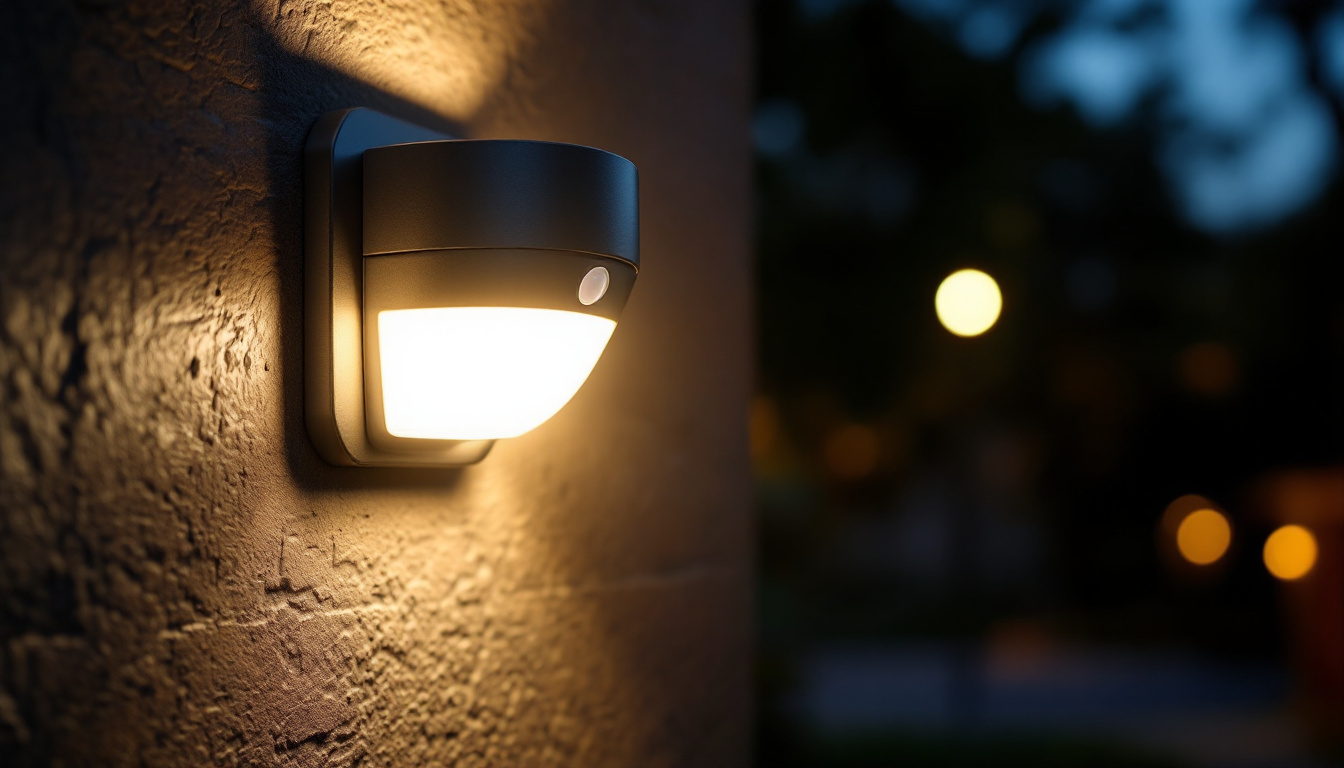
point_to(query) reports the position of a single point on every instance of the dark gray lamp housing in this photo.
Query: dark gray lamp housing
(456, 292)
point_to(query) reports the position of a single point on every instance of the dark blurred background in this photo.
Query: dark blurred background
(1050, 543)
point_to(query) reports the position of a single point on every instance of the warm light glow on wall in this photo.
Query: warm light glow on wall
(449, 62)
(480, 373)
(968, 302)
(1290, 552)
(1203, 536)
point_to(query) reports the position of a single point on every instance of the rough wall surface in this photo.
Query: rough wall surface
(183, 582)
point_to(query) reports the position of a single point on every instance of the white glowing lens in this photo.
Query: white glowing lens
(480, 373)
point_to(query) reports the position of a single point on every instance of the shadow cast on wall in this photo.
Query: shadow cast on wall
(296, 91)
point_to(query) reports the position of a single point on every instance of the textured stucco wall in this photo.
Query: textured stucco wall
(182, 581)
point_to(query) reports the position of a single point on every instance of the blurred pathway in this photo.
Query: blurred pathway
(1205, 712)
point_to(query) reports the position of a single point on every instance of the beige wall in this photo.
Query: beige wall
(182, 581)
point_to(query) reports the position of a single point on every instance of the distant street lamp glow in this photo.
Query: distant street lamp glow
(1203, 536)
(1290, 552)
(968, 302)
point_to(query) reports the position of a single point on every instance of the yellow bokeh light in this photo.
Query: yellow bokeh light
(1290, 552)
(968, 302)
(1203, 536)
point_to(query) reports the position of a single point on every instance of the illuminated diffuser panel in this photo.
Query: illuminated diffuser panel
(456, 292)
(481, 344)
(481, 373)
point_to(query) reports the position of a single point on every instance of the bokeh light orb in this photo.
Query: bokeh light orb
(852, 451)
(968, 302)
(1203, 536)
(1290, 552)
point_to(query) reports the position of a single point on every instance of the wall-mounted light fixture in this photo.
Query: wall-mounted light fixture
(456, 291)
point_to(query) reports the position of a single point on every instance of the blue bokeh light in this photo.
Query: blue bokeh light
(1243, 141)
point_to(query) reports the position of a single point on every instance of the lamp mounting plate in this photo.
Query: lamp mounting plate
(333, 293)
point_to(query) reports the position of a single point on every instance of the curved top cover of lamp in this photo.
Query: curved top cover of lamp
(500, 193)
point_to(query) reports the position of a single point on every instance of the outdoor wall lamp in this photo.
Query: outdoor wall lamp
(455, 291)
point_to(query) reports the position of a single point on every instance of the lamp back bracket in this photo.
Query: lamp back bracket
(334, 402)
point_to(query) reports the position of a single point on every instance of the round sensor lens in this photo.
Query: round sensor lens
(594, 286)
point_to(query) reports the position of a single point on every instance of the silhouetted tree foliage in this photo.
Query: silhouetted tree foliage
(894, 159)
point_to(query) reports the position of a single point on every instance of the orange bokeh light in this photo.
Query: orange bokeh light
(1290, 552)
(1210, 369)
(1203, 536)
(852, 451)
